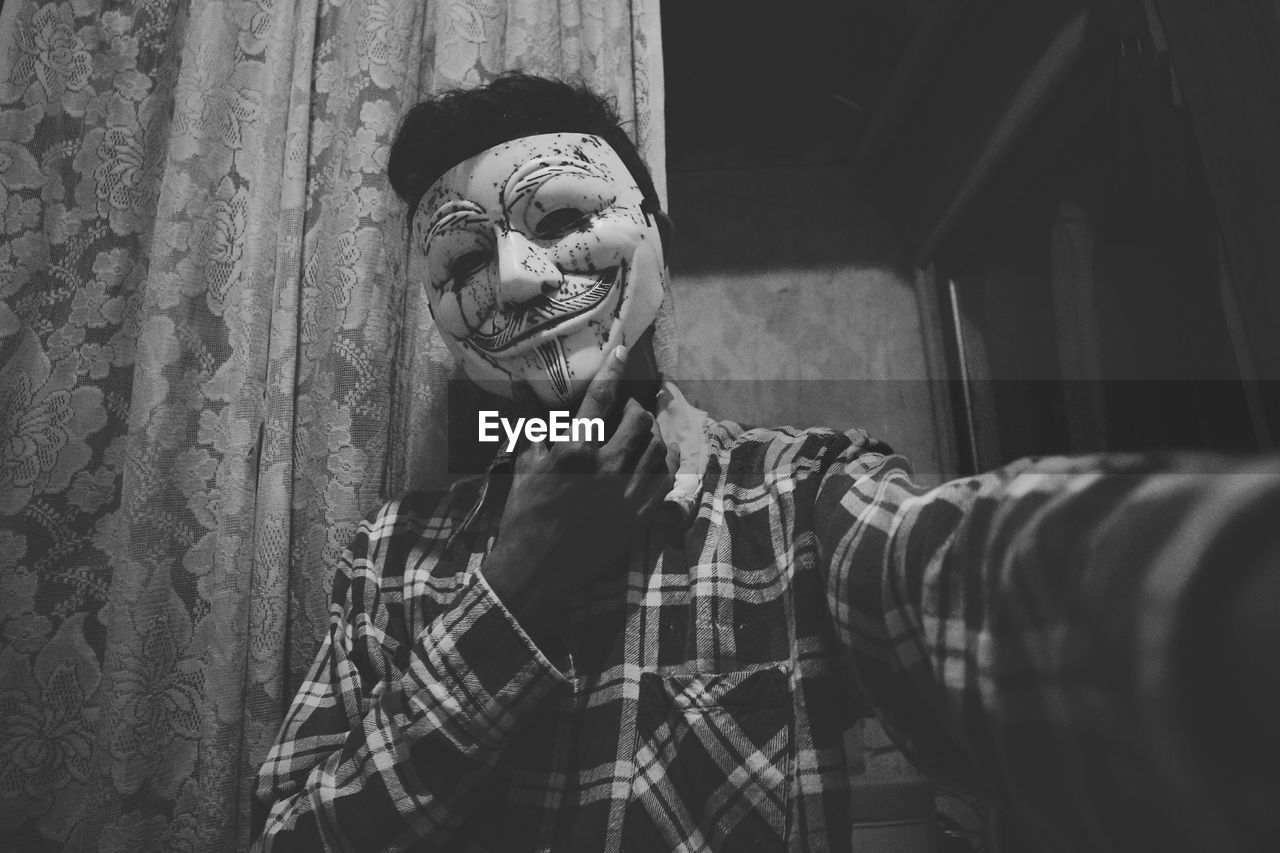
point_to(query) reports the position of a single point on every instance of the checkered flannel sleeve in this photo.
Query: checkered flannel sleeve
(391, 734)
(1027, 633)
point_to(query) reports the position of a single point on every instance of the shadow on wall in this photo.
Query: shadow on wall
(777, 215)
(795, 305)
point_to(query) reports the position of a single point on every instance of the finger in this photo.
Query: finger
(530, 455)
(628, 442)
(657, 489)
(603, 389)
(650, 473)
(673, 456)
(654, 458)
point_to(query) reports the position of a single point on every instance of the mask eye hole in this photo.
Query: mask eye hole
(467, 265)
(560, 221)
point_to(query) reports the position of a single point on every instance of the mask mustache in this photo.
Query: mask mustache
(546, 311)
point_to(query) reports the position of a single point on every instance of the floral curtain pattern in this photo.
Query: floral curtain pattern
(212, 366)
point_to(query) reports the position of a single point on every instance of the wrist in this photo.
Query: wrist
(522, 589)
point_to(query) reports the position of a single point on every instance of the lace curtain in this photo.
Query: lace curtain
(212, 367)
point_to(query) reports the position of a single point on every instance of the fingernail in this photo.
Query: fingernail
(620, 353)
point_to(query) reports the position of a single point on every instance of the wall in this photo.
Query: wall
(795, 307)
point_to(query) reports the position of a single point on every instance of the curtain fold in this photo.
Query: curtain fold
(212, 366)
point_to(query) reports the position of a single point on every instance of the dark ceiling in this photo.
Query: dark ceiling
(759, 81)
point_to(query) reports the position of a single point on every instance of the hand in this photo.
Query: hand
(574, 509)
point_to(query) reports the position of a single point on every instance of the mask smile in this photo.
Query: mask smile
(547, 315)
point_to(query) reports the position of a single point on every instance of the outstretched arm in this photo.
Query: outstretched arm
(1043, 633)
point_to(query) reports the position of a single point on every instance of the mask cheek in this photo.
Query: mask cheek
(474, 307)
(646, 282)
(477, 301)
(615, 239)
(644, 293)
(449, 318)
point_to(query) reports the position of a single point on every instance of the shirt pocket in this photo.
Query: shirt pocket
(714, 761)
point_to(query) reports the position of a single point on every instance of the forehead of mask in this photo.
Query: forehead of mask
(558, 207)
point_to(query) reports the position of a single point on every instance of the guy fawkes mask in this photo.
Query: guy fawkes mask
(538, 258)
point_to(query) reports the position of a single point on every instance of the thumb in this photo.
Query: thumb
(673, 456)
(528, 457)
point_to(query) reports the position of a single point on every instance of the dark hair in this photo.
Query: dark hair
(444, 130)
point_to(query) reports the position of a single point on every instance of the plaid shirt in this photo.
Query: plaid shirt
(699, 700)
